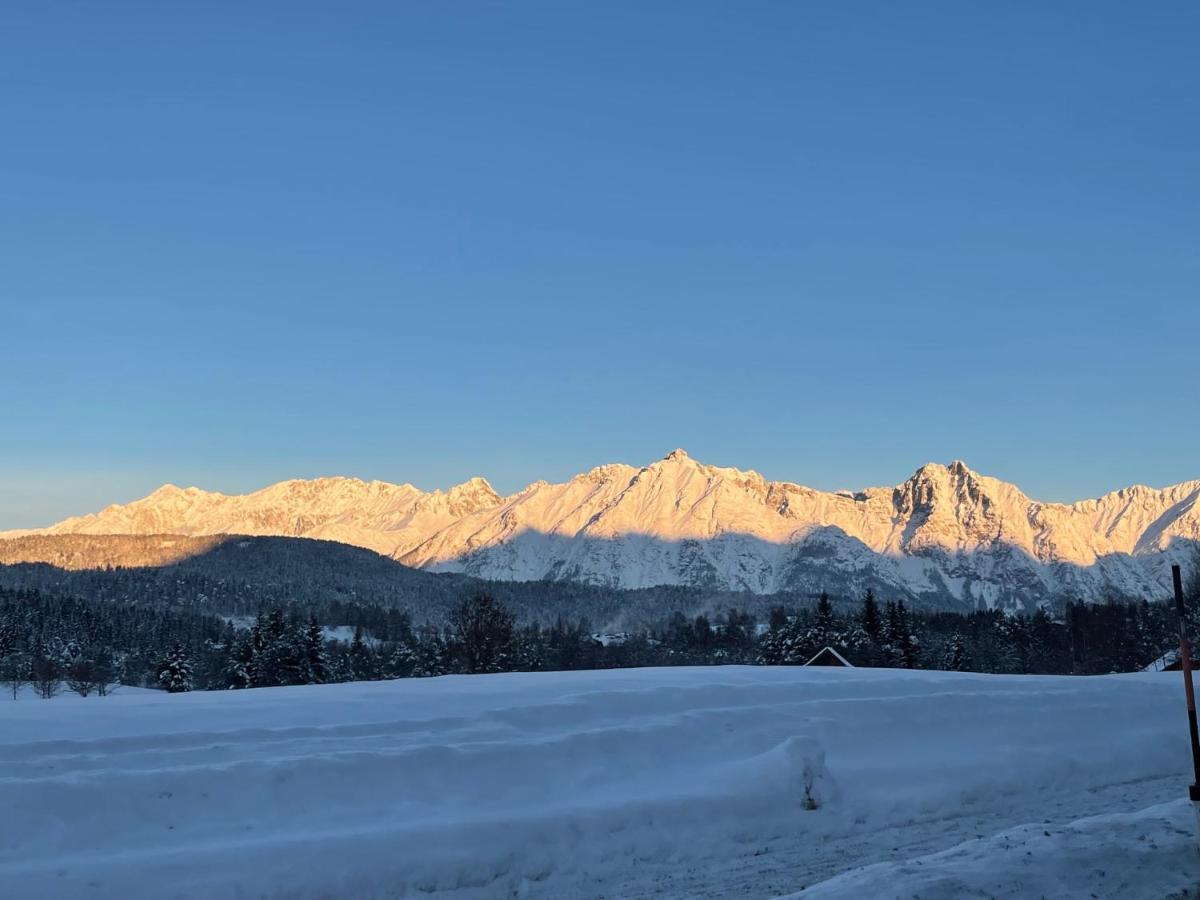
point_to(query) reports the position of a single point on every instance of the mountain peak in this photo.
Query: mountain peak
(931, 471)
(677, 455)
(472, 495)
(955, 469)
(475, 485)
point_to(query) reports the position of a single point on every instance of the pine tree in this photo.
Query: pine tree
(889, 634)
(339, 664)
(824, 627)
(954, 659)
(175, 673)
(907, 645)
(363, 663)
(1039, 654)
(527, 650)
(770, 647)
(8, 638)
(256, 675)
(316, 661)
(1013, 639)
(402, 662)
(239, 671)
(283, 658)
(791, 644)
(871, 622)
(432, 656)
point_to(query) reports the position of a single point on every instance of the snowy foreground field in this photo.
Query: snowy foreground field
(665, 783)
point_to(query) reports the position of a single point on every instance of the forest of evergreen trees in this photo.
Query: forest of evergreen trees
(238, 576)
(53, 643)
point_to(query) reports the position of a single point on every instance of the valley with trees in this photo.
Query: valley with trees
(193, 625)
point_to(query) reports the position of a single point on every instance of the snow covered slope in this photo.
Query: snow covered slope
(666, 783)
(948, 536)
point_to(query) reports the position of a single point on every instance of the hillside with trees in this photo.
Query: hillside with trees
(89, 646)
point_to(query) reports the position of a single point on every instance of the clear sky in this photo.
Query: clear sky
(247, 241)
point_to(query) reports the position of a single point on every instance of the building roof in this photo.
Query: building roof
(1168, 662)
(831, 658)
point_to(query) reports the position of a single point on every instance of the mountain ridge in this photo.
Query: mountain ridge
(947, 534)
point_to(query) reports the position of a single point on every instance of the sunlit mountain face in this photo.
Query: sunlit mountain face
(946, 536)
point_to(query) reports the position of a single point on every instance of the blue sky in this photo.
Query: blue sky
(241, 242)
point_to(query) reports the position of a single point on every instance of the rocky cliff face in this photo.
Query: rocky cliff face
(946, 536)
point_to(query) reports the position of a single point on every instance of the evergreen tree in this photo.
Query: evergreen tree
(283, 658)
(432, 656)
(910, 649)
(256, 674)
(1014, 638)
(339, 664)
(527, 650)
(8, 638)
(954, 659)
(239, 671)
(902, 644)
(737, 634)
(403, 661)
(175, 673)
(871, 622)
(364, 665)
(824, 627)
(316, 661)
(890, 631)
(770, 647)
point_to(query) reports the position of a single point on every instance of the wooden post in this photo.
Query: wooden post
(1185, 663)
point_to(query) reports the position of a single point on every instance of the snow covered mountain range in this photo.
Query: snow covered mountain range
(947, 536)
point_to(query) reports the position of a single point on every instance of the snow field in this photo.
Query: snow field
(669, 782)
(1145, 855)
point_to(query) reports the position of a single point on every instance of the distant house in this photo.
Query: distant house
(829, 657)
(610, 638)
(1168, 662)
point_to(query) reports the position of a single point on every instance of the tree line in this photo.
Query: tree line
(52, 643)
(1089, 639)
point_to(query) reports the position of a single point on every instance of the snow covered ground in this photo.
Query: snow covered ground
(26, 694)
(666, 783)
